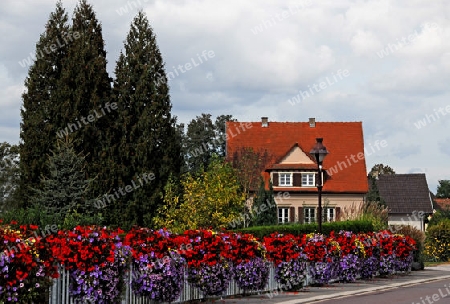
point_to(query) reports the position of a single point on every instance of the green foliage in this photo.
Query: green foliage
(203, 139)
(264, 211)
(64, 88)
(34, 215)
(439, 216)
(170, 212)
(84, 90)
(374, 212)
(65, 190)
(9, 176)
(437, 242)
(299, 229)
(221, 134)
(374, 195)
(443, 189)
(199, 142)
(211, 199)
(379, 169)
(31, 215)
(148, 140)
(73, 218)
(42, 115)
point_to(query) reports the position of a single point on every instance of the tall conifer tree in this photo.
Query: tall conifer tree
(40, 111)
(149, 141)
(85, 93)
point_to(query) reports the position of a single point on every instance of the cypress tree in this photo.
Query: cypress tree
(85, 92)
(40, 110)
(149, 141)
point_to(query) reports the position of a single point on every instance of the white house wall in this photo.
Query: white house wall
(406, 219)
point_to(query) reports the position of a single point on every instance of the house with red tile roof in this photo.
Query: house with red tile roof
(442, 204)
(294, 170)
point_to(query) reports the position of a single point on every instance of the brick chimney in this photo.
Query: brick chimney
(312, 122)
(264, 122)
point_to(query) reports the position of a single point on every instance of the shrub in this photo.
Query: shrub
(414, 233)
(368, 211)
(439, 216)
(300, 229)
(437, 242)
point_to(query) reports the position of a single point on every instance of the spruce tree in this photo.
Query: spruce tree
(149, 140)
(64, 192)
(85, 93)
(41, 116)
(63, 195)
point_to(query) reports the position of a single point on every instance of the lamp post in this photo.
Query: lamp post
(319, 151)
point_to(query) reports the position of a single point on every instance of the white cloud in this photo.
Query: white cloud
(253, 75)
(365, 43)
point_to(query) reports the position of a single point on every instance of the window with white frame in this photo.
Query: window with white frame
(329, 214)
(308, 180)
(283, 215)
(285, 179)
(309, 215)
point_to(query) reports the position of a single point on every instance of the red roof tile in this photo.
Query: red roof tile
(342, 140)
(442, 203)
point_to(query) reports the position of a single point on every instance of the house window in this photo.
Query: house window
(283, 215)
(308, 179)
(329, 214)
(285, 179)
(309, 215)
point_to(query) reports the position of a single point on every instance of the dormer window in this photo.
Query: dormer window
(285, 179)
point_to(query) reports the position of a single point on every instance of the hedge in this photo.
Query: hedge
(358, 226)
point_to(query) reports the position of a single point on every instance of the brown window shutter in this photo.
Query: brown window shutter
(300, 215)
(291, 214)
(275, 179)
(297, 182)
(338, 213)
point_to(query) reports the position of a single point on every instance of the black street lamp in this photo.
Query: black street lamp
(319, 152)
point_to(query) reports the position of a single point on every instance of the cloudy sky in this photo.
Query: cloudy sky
(385, 63)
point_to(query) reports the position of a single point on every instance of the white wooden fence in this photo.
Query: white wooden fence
(59, 292)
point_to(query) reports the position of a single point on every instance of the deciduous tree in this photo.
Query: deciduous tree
(443, 189)
(249, 165)
(212, 198)
(373, 195)
(199, 142)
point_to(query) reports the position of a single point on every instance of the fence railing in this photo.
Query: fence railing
(59, 291)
